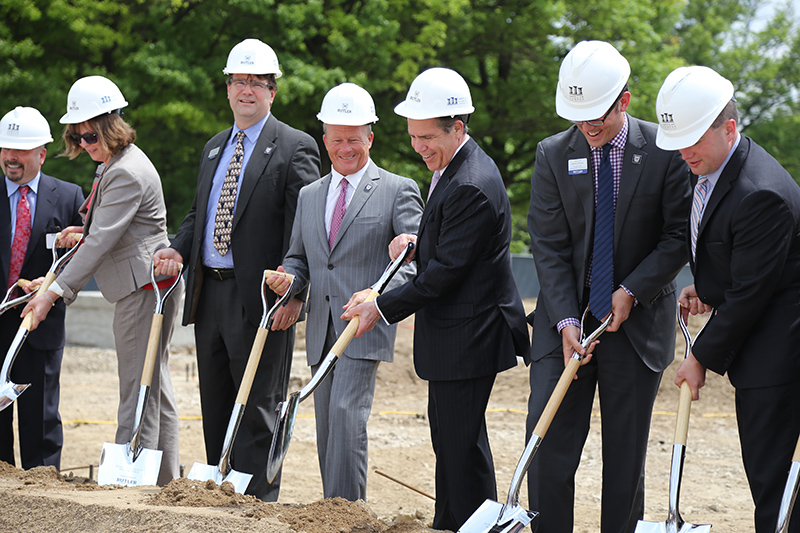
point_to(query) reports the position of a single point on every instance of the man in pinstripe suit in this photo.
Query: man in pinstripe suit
(343, 226)
(469, 322)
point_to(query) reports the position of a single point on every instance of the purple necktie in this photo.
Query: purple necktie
(434, 181)
(338, 213)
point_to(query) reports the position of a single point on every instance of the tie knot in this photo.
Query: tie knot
(24, 191)
(240, 137)
(607, 149)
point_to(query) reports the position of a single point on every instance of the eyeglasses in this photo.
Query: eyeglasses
(602, 121)
(90, 138)
(240, 84)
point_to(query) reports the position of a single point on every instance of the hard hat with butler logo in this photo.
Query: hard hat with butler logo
(437, 92)
(252, 56)
(24, 128)
(590, 80)
(91, 97)
(347, 105)
(689, 101)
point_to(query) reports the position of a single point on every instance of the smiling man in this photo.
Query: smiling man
(239, 225)
(607, 222)
(340, 240)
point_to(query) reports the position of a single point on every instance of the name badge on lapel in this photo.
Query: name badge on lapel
(578, 166)
(213, 153)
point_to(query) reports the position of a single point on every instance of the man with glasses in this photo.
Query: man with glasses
(239, 225)
(608, 233)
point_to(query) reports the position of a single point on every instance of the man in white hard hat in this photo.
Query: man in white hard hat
(744, 239)
(469, 323)
(239, 225)
(339, 250)
(607, 226)
(37, 204)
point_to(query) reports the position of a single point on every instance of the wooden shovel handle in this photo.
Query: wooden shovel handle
(268, 273)
(152, 349)
(252, 366)
(27, 322)
(796, 456)
(350, 331)
(684, 408)
(556, 397)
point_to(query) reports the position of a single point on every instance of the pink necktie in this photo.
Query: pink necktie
(338, 213)
(434, 181)
(22, 234)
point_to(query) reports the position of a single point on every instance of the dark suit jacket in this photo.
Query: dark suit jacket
(283, 161)
(469, 317)
(748, 268)
(57, 207)
(652, 207)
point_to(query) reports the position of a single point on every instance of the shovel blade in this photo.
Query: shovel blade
(670, 527)
(204, 472)
(9, 392)
(282, 436)
(485, 519)
(118, 467)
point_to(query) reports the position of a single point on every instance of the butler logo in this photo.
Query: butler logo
(576, 93)
(415, 97)
(667, 122)
(344, 109)
(247, 60)
(73, 106)
(13, 129)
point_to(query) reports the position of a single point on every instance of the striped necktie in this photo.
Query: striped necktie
(602, 285)
(698, 201)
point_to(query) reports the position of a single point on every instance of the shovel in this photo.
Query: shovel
(674, 523)
(130, 464)
(223, 471)
(789, 493)
(511, 517)
(287, 411)
(10, 391)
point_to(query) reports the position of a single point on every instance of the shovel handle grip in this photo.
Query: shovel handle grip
(682, 420)
(252, 365)
(268, 273)
(27, 322)
(152, 349)
(350, 331)
(796, 456)
(556, 397)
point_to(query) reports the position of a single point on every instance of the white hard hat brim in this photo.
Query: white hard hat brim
(669, 142)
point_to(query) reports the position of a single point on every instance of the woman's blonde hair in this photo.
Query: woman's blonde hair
(113, 134)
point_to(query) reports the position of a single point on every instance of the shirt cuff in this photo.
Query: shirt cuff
(380, 312)
(629, 293)
(56, 288)
(571, 321)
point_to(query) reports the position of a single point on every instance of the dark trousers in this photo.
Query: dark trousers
(224, 339)
(40, 433)
(627, 389)
(464, 465)
(769, 423)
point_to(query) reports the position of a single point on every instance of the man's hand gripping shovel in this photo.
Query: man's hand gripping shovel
(223, 471)
(675, 523)
(511, 517)
(130, 464)
(287, 411)
(10, 391)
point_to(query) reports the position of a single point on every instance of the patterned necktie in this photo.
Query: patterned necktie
(434, 181)
(227, 199)
(338, 213)
(700, 191)
(22, 234)
(602, 285)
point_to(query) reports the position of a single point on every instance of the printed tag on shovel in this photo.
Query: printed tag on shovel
(117, 466)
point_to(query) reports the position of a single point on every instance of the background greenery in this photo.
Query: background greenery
(167, 58)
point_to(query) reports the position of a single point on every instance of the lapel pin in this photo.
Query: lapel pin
(213, 153)
(268, 150)
(368, 187)
(637, 158)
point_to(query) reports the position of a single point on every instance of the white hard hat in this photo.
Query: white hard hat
(91, 97)
(689, 101)
(437, 92)
(24, 128)
(347, 105)
(252, 56)
(590, 80)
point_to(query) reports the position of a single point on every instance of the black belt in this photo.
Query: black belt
(218, 273)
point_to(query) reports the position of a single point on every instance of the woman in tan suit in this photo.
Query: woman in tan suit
(124, 224)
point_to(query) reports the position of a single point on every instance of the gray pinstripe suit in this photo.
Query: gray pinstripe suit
(383, 206)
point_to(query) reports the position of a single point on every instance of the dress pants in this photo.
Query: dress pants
(769, 423)
(224, 339)
(133, 316)
(342, 404)
(40, 433)
(464, 466)
(627, 389)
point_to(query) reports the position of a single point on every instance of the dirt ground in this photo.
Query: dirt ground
(714, 489)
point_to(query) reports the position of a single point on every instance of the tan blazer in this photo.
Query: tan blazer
(124, 225)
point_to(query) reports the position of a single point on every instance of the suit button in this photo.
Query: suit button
(327, 298)
(330, 267)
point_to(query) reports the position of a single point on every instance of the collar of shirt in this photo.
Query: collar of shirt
(713, 178)
(14, 196)
(12, 187)
(615, 156)
(466, 138)
(334, 191)
(251, 134)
